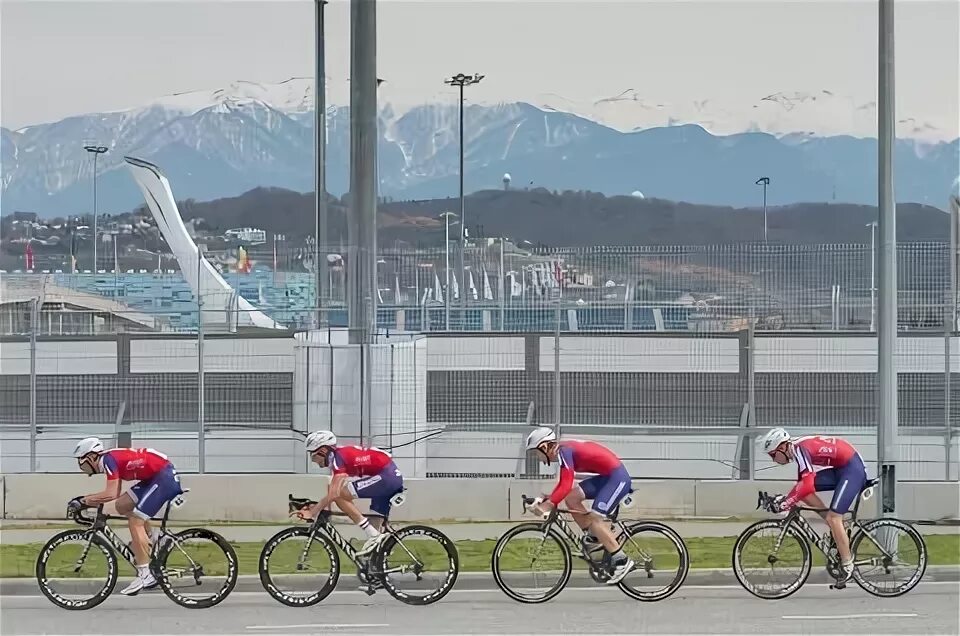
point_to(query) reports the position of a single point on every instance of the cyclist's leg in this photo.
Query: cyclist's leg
(586, 489)
(606, 499)
(150, 496)
(850, 481)
(379, 489)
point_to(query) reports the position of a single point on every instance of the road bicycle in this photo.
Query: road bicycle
(175, 557)
(407, 556)
(874, 547)
(547, 548)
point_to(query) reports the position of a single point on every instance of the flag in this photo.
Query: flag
(437, 290)
(487, 291)
(472, 287)
(516, 289)
(456, 286)
(28, 256)
(397, 298)
(243, 262)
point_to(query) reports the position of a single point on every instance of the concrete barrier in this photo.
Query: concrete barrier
(246, 497)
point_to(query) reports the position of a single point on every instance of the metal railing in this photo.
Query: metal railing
(674, 403)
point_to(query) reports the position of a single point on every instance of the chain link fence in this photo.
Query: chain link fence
(676, 356)
(497, 285)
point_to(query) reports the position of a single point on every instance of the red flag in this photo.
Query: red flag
(28, 256)
(558, 273)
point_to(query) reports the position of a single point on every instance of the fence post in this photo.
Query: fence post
(34, 322)
(556, 371)
(201, 433)
(949, 324)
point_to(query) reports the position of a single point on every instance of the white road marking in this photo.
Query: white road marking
(325, 625)
(843, 616)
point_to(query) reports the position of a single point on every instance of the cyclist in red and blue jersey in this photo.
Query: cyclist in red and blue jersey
(607, 488)
(842, 471)
(157, 483)
(379, 480)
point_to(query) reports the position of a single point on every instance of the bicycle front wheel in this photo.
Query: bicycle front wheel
(768, 570)
(189, 559)
(661, 559)
(890, 557)
(297, 570)
(530, 565)
(76, 571)
(418, 565)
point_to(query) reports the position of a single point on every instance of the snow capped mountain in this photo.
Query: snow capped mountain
(223, 142)
(820, 112)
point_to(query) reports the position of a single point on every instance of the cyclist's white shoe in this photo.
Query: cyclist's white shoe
(139, 583)
(620, 570)
(846, 572)
(372, 544)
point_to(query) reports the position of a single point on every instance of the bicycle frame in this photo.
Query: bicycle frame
(799, 522)
(323, 526)
(98, 526)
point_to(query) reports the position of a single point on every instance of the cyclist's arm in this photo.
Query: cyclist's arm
(803, 489)
(336, 485)
(110, 492)
(565, 484)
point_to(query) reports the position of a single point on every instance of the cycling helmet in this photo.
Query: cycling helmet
(88, 445)
(539, 436)
(772, 440)
(319, 439)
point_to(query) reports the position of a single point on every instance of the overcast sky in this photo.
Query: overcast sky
(63, 58)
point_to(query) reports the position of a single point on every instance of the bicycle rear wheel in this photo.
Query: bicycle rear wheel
(76, 571)
(530, 565)
(418, 565)
(661, 559)
(883, 549)
(296, 570)
(756, 554)
(191, 558)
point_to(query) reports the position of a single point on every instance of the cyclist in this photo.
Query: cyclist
(379, 480)
(157, 483)
(843, 473)
(609, 485)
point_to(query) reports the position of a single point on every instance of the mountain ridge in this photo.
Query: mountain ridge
(220, 143)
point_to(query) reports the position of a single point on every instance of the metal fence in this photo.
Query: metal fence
(674, 403)
(497, 285)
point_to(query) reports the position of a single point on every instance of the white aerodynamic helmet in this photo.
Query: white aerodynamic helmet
(539, 436)
(318, 439)
(88, 445)
(773, 439)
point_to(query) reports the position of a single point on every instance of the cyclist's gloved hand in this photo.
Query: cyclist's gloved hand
(777, 504)
(75, 504)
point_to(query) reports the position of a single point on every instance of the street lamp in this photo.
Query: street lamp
(764, 181)
(446, 250)
(462, 81)
(97, 151)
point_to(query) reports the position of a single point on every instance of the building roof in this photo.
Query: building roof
(21, 288)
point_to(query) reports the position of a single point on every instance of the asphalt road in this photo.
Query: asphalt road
(931, 608)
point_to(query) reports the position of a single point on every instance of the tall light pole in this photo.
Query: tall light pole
(887, 313)
(764, 181)
(462, 81)
(873, 276)
(320, 162)
(97, 151)
(446, 251)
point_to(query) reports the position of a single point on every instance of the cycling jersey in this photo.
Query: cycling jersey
(585, 457)
(830, 452)
(359, 462)
(133, 464)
